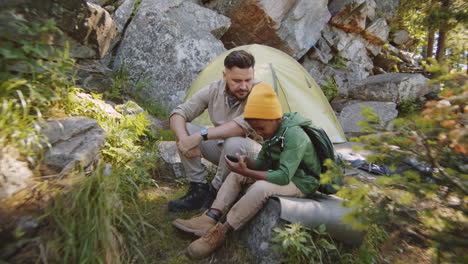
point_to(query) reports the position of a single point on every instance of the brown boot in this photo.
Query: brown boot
(197, 225)
(206, 244)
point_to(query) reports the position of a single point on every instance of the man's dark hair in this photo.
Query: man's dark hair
(239, 58)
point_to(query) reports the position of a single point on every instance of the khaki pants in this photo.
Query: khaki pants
(252, 201)
(214, 151)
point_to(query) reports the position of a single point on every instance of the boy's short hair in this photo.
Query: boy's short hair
(239, 58)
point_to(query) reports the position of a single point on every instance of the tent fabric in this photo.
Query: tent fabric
(296, 89)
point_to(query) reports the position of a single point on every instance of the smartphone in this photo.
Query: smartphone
(232, 158)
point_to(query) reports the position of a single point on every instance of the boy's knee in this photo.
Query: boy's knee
(261, 187)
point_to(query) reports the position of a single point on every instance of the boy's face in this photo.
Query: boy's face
(239, 81)
(265, 128)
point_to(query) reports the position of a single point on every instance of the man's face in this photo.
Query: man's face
(239, 81)
(265, 128)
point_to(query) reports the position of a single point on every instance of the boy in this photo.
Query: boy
(279, 169)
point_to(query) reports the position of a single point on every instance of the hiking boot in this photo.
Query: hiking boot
(206, 244)
(192, 200)
(209, 199)
(197, 225)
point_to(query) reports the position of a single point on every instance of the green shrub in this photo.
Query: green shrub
(299, 244)
(330, 89)
(423, 201)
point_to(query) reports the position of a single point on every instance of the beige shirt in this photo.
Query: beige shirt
(215, 98)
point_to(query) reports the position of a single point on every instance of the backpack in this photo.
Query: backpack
(325, 150)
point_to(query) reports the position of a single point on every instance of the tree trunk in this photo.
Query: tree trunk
(430, 43)
(443, 30)
(441, 45)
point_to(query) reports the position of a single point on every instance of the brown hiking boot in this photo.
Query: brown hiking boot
(197, 225)
(206, 244)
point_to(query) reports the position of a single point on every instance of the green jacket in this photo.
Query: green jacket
(288, 162)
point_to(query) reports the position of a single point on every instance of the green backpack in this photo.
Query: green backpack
(325, 150)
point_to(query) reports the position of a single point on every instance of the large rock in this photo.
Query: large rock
(350, 15)
(76, 142)
(172, 163)
(93, 75)
(392, 87)
(387, 8)
(292, 26)
(14, 173)
(351, 115)
(88, 28)
(377, 31)
(162, 47)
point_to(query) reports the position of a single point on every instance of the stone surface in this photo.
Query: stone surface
(351, 114)
(321, 52)
(387, 8)
(87, 27)
(122, 15)
(392, 87)
(76, 142)
(100, 2)
(377, 32)
(349, 15)
(105, 107)
(258, 232)
(162, 47)
(14, 173)
(93, 75)
(401, 37)
(171, 159)
(292, 26)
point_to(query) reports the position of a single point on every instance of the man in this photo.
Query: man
(225, 100)
(284, 166)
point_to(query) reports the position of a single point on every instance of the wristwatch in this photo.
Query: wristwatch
(204, 133)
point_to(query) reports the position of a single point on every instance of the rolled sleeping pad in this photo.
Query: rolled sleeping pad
(321, 209)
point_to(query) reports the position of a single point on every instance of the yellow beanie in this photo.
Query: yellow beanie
(263, 103)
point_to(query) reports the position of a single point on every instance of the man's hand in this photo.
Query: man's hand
(186, 144)
(193, 153)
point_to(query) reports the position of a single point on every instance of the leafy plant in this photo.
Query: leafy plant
(330, 89)
(428, 153)
(302, 245)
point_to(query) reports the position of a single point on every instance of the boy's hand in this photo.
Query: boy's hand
(237, 167)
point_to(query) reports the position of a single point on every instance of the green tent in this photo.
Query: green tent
(296, 89)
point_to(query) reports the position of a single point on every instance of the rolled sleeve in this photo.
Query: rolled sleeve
(194, 106)
(242, 123)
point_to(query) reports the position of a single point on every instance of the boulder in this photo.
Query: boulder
(93, 75)
(162, 47)
(171, 160)
(75, 143)
(392, 87)
(87, 27)
(100, 2)
(387, 8)
(14, 172)
(377, 31)
(105, 107)
(344, 78)
(351, 115)
(349, 15)
(401, 37)
(321, 52)
(292, 26)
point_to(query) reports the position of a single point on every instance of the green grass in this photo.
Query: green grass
(166, 245)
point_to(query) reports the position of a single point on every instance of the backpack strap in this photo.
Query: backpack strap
(282, 138)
